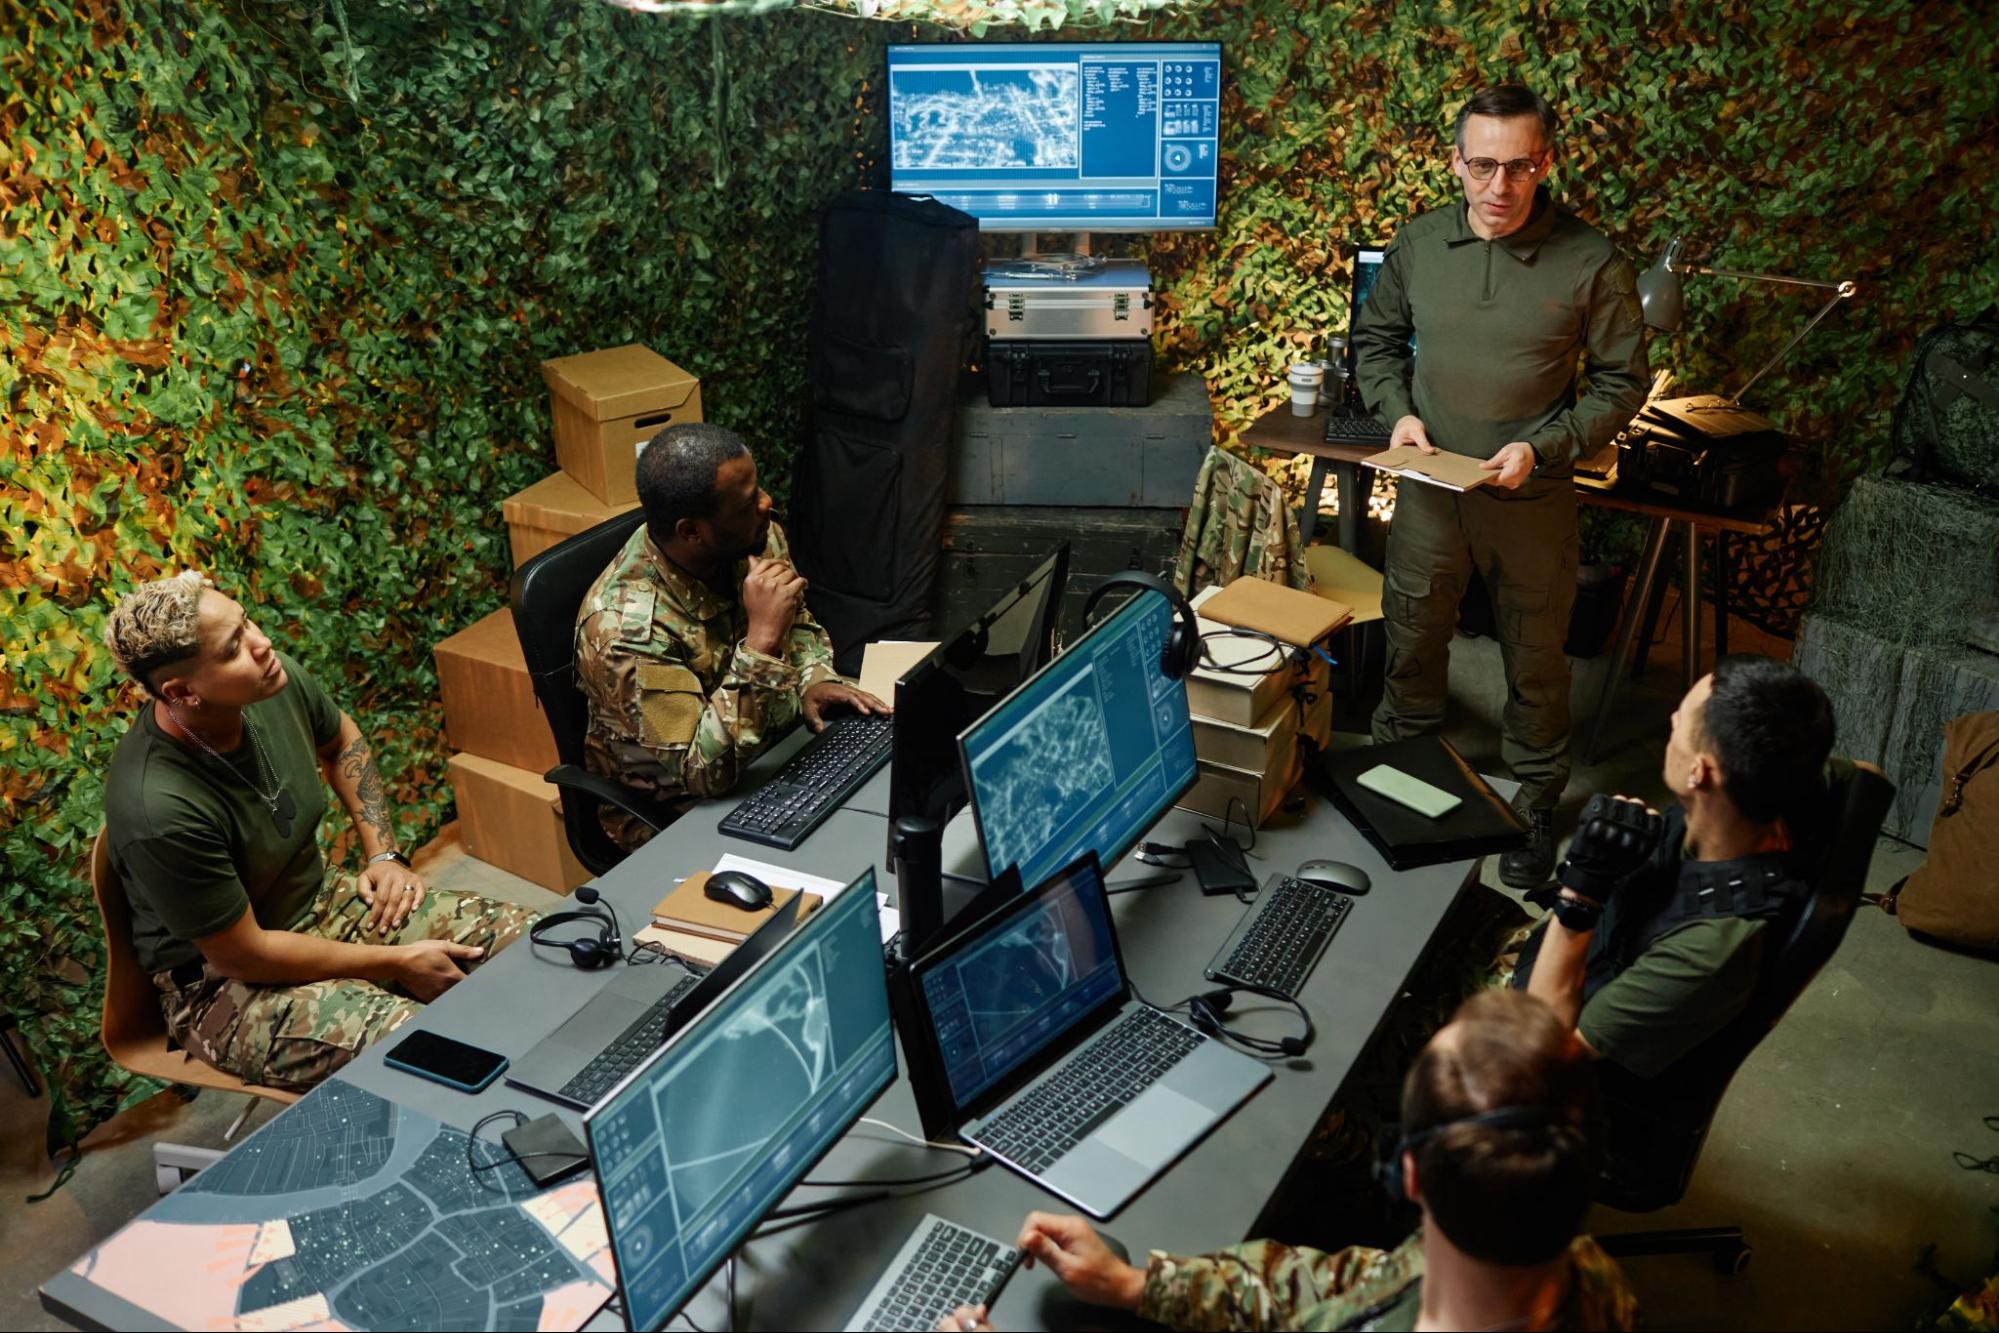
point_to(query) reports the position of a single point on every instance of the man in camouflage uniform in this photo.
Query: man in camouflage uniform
(268, 966)
(694, 646)
(1501, 1205)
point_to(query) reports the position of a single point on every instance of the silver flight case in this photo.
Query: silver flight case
(1112, 299)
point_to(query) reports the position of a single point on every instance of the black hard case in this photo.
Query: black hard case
(1029, 372)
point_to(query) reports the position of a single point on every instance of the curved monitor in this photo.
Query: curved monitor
(702, 1140)
(1087, 754)
(1060, 136)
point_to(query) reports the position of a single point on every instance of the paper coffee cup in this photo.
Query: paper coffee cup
(1305, 378)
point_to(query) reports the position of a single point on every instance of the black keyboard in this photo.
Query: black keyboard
(1121, 1062)
(785, 810)
(1355, 430)
(632, 1045)
(940, 1267)
(1281, 936)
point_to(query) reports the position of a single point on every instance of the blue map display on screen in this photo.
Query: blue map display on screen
(725, 1120)
(1087, 754)
(1059, 136)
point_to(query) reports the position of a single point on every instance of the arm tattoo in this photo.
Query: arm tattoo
(358, 767)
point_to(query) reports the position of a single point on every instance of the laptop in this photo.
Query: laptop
(626, 1021)
(1051, 1063)
(1349, 419)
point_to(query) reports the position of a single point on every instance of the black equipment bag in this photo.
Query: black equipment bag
(1029, 372)
(1947, 423)
(889, 335)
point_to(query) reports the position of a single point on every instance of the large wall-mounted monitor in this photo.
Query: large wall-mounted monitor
(1047, 136)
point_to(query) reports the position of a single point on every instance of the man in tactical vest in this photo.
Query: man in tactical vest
(1661, 923)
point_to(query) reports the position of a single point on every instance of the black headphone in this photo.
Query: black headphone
(590, 952)
(1206, 1010)
(1389, 1169)
(1183, 642)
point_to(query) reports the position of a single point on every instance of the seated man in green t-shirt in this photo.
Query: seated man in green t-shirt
(1660, 924)
(1500, 1151)
(268, 967)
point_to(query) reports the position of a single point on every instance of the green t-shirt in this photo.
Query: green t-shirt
(1687, 986)
(192, 841)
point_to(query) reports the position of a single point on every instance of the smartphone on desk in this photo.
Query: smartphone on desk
(442, 1060)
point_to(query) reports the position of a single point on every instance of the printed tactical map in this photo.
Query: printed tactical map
(350, 1212)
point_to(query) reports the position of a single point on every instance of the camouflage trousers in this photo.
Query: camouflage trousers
(292, 1037)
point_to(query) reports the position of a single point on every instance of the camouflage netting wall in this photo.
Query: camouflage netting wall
(274, 278)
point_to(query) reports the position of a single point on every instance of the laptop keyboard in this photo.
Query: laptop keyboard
(943, 1267)
(633, 1045)
(1105, 1076)
(1281, 936)
(1355, 430)
(811, 786)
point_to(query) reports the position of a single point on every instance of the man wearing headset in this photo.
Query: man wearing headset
(1500, 1152)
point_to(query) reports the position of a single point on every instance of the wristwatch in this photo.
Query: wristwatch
(397, 857)
(1577, 914)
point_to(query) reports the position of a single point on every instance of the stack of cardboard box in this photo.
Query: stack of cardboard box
(1251, 702)
(606, 405)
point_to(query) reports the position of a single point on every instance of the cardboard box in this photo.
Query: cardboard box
(510, 818)
(1262, 748)
(606, 406)
(489, 703)
(551, 511)
(1221, 790)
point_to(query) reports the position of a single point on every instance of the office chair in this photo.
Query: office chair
(134, 1030)
(546, 594)
(1656, 1126)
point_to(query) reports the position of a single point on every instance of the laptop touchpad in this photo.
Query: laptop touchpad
(1153, 1129)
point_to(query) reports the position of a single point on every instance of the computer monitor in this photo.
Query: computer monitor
(701, 1141)
(954, 685)
(1087, 754)
(1059, 136)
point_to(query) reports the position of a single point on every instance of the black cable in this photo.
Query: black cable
(901, 1180)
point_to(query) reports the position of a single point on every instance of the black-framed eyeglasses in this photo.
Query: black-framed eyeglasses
(1519, 169)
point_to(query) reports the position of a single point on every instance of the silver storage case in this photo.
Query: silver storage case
(1111, 300)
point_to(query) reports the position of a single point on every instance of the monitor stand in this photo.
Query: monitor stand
(1078, 246)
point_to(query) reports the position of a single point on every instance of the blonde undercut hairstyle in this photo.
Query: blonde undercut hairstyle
(155, 625)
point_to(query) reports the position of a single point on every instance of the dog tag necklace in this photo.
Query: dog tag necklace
(277, 800)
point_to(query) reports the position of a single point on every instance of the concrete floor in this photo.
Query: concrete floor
(1833, 1147)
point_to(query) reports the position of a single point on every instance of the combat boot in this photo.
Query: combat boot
(1531, 864)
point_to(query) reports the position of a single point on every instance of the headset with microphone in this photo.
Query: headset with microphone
(1182, 647)
(590, 952)
(1206, 1012)
(1389, 1169)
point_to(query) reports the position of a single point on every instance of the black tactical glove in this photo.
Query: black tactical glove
(1613, 838)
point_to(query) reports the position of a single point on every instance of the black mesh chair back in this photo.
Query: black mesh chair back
(547, 592)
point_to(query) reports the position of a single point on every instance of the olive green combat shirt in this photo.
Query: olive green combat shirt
(194, 845)
(1264, 1285)
(1498, 327)
(679, 704)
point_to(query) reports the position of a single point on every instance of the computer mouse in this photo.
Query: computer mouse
(738, 889)
(1335, 875)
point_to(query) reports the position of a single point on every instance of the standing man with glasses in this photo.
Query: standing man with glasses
(1469, 342)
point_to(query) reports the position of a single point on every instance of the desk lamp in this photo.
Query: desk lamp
(1659, 294)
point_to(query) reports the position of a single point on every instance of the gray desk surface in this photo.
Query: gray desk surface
(815, 1276)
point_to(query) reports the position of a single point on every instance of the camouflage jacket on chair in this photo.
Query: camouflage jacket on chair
(678, 702)
(1264, 1285)
(1238, 524)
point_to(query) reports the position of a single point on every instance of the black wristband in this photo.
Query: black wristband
(395, 856)
(1576, 915)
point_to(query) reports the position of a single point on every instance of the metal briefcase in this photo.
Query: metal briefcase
(1113, 300)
